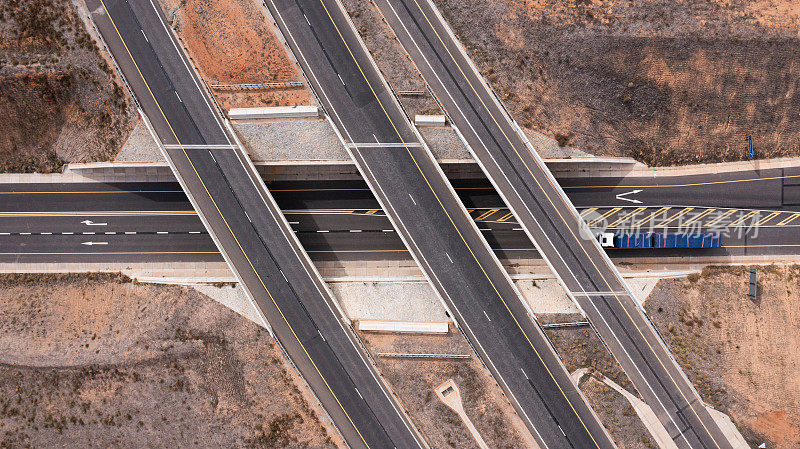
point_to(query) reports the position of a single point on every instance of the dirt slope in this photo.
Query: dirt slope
(743, 357)
(59, 99)
(96, 361)
(667, 82)
(232, 42)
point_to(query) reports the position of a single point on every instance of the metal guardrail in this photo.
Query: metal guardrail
(412, 93)
(560, 325)
(400, 355)
(255, 86)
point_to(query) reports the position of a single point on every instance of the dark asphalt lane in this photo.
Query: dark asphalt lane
(247, 224)
(310, 206)
(551, 221)
(775, 189)
(183, 238)
(436, 228)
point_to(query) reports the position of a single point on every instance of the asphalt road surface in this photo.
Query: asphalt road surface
(551, 221)
(334, 220)
(434, 225)
(250, 231)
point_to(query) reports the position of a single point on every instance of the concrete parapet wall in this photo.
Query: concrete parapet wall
(410, 327)
(273, 112)
(285, 171)
(429, 120)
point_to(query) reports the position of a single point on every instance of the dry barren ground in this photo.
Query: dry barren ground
(743, 356)
(59, 99)
(413, 380)
(233, 42)
(390, 57)
(98, 361)
(667, 82)
(580, 348)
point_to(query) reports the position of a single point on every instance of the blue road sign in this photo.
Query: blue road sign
(750, 144)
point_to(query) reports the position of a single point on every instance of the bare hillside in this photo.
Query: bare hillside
(667, 82)
(59, 98)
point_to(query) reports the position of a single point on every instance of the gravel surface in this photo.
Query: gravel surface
(406, 301)
(304, 140)
(140, 147)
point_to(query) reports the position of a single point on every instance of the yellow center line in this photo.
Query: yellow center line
(604, 216)
(567, 225)
(321, 211)
(109, 252)
(743, 218)
(547, 368)
(675, 217)
(90, 192)
(691, 184)
(651, 216)
(699, 216)
(93, 214)
(626, 217)
(353, 251)
(722, 217)
(789, 220)
(229, 228)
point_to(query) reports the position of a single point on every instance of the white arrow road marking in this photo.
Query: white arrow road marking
(91, 223)
(632, 192)
(94, 243)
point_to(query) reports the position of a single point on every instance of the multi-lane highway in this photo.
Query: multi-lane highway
(437, 231)
(248, 228)
(550, 220)
(144, 222)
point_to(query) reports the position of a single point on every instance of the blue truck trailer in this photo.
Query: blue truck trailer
(660, 240)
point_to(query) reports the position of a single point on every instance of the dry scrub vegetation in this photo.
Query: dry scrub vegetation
(580, 348)
(666, 82)
(413, 380)
(232, 42)
(98, 361)
(742, 356)
(59, 99)
(390, 57)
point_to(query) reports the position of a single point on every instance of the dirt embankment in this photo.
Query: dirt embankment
(390, 57)
(232, 42)
(414, 380)
(98, 361)
(580, 348)
(662, 81)
(742, 356)
(59, 99)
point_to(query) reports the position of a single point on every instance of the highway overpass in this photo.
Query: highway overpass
(433, 224)
(551, 221)
(248, 228)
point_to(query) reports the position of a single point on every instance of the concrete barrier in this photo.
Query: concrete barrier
(413, 327)
(429, 120)
(273, 112)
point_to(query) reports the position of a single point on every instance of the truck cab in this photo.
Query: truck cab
(606, 239)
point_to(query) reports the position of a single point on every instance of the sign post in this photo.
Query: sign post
(753, 293)
(750, 144)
